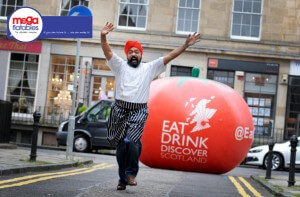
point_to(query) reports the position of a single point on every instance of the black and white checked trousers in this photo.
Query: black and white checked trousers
(126, 119)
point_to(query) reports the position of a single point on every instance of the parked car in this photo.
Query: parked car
(90, 128)
(281, 155)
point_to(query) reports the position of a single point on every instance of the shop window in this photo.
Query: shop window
(293, 108)
(260, 94)
(103, 82)
(181, 71)
(246, 19)
(188, 16)
(100, 64)
(61, 77)
(8, 6)
(21, 88)
(66, 5)
(226, 77)
(133, 14)
(103, 88)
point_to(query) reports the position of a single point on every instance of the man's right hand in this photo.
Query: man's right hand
(107, 28)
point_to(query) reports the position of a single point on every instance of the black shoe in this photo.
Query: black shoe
(121, 186)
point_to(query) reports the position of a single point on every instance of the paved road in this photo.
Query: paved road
(101, 179)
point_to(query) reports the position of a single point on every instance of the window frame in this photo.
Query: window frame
(60, 8)
(227, 76)
(262, 94)
(247, 37)
(133, 28)
(4, 18)
(69, 63)
(23, 63)
(178, 67)
(198, 24)
(102, 104)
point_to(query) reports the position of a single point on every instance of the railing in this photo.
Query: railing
(277, 136)
(51, 116)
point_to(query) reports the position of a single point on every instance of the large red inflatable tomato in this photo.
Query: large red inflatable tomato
(196, 125)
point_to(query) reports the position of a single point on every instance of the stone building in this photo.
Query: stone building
(251, 45)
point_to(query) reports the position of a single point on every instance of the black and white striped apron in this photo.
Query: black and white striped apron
(126, 119)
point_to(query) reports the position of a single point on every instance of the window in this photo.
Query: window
(292, 107)
(188, 16)
(100, 112)
(133, 14)
(100, 64)
(225, 77)
(246, 19)
(66, 5)
(61, 77)
(260, 95)
(261, 83)
(181, 71)
(103, 88)
(8, 6)
(103, 81)
(22, 78)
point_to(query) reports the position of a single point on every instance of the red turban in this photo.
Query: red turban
(133, 43)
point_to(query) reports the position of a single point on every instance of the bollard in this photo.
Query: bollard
(270, 157)
(294, 142)
(36, 119)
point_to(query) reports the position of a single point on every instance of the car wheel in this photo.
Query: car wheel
(276, 161)
(81, 143)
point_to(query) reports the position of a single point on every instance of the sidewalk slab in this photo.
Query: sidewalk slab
(278, 185)
(16, 161)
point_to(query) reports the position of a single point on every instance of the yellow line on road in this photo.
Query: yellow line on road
(238, 187)
(256, 193)
(47, 176)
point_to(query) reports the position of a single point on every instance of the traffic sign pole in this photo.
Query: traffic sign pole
(71, 125)
(75, 11)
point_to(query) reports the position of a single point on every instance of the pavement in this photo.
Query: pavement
(278, 185)
(14, 159)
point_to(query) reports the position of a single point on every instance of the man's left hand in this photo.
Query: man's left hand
(192, 39)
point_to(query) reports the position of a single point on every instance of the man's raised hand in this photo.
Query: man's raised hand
(107, 28)
(192, 39)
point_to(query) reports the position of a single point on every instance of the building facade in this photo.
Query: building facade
(251, 45)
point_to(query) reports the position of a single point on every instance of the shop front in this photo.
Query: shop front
(292, 120)
(259, 88)
(95, 82)
(19, 74)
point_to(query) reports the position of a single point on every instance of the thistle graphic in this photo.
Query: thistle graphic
(201, 115)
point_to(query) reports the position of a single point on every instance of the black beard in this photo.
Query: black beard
(131, 62)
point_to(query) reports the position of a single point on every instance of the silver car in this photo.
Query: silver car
(281, 155)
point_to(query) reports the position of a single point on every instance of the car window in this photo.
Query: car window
(99, 113)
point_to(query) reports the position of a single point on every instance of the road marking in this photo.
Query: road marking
(238, 187)
(47, 176)
(256, 193)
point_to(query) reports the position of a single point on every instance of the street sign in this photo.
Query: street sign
(80, 10)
